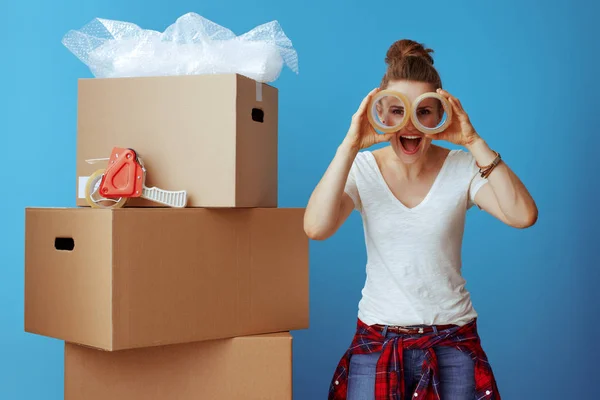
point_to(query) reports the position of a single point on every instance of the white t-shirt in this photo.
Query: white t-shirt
(414, 254)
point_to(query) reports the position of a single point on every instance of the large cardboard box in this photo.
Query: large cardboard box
(212, 135)
(249, 368)
(137, 277)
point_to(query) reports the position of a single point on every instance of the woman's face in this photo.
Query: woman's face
(409, 143)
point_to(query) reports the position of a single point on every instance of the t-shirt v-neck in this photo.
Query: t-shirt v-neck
(430, 192)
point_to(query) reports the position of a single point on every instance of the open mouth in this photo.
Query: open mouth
(410, 144)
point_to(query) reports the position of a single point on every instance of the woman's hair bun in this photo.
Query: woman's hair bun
(404, 48)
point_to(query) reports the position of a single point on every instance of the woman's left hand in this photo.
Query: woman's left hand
(460, 131)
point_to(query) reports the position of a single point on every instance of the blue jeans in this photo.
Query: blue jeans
(456, 372)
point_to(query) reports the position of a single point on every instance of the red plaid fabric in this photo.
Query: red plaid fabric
(389, 383)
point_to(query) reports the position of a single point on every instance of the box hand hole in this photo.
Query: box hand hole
(64, 244)
(258, 115)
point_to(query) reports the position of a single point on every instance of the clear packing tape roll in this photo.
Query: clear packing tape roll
(389, 111)
(192, 45)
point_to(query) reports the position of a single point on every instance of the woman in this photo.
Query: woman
(416, 332)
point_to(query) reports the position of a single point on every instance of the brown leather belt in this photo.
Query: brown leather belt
(413, 330)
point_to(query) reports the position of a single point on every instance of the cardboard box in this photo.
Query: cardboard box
(249, 368)
(137, 277)
(212, 135)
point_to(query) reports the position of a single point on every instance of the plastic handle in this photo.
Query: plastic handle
(172, 199)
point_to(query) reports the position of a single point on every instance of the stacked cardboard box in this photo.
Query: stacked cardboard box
(164, 303)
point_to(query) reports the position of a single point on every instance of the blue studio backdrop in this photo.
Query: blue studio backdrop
(526, 72)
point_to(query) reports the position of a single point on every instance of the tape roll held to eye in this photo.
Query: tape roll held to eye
(447, 109)
(393, 101)
(384, 117)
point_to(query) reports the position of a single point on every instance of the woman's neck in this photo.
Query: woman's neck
(413, 171)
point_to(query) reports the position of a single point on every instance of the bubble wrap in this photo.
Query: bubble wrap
(192, 45)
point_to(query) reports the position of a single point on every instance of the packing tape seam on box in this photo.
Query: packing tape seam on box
(259, 88)
(82, 183)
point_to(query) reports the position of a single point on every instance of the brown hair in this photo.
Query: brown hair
(409, 60)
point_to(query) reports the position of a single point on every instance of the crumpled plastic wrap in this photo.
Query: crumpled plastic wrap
(192, 45)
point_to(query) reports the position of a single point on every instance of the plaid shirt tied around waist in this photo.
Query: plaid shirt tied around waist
(389, 381)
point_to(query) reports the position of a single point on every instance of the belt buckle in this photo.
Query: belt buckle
(408, 330)
(419, 329)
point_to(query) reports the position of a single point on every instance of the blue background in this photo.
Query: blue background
(526, 71)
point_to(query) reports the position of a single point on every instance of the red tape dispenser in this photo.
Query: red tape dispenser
(123, 179)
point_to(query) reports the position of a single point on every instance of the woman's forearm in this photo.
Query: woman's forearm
(512, 196)
(324, 206)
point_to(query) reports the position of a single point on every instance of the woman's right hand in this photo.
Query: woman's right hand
(361, 133)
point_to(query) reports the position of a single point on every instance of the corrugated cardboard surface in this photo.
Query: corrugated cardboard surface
(249, 368)
(147, 276)
(194, 133)
(68, 293)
